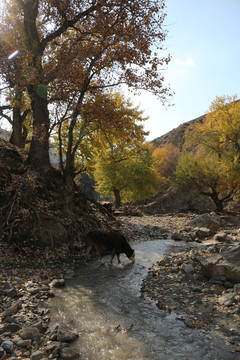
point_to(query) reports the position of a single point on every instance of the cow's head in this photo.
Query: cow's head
(132, 258)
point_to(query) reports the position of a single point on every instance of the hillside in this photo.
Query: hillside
(176, 136)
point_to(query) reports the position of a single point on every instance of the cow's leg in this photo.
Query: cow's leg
(99, 254)
(112, 256)
(118, 257)
(89, 248)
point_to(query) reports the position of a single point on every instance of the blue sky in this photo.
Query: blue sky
(204, 42)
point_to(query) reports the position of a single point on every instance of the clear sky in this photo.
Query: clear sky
(204, 42)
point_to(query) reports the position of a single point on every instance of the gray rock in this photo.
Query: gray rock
(224, 265)
(237, 289)
(226, 299)
(209, 221)
(23, 343)
(222, 237)
(37, 355)
(8, 346)
(67, 336)
(30, 332)
(188, 269)
(12, 293)
(12, 328)
(3, 354)
(203, 232)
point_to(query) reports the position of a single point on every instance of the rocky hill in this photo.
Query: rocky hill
(176, 136)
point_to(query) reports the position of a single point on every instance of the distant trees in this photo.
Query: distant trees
(211, 159)
(128, 179)
(166, 158)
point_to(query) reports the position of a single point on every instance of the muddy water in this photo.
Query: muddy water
(103, 304)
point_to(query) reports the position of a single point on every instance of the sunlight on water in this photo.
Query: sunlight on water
(101, 335)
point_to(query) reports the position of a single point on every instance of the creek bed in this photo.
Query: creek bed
(103, 304)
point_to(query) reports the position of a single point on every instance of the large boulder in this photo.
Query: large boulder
(210, 221)
(223, 267)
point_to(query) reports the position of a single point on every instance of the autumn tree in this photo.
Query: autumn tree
(70, 48)
(129, 179)
(166, 160)
(213, 164)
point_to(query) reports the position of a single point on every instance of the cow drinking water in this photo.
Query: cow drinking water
(108, 241)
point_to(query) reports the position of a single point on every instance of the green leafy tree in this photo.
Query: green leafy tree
(128, 179)
(213, 165)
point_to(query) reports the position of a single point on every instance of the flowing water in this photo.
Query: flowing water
(103, 304)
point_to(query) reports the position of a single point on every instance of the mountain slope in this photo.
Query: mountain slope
(176, 136)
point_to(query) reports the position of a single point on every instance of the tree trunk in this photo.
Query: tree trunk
(39, 149)
(218, 202)
(69, 176)
(19, 132)
(117, 198)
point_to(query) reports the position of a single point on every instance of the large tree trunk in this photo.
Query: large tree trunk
(19, 131)
(218, 202)
(39, 150)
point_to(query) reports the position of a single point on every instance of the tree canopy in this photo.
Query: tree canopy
(68, 49)
(211, 160)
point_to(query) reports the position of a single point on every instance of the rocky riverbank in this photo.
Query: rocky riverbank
(176, 283)
(25, 288)
(201, 285)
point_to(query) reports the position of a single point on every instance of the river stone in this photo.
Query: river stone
(23, 343)
(37, 355)
(226, 299)
(210, 221)
(3, 354)
(8, 346)
(66, 335)
(12, 293)
(188, 269)
(68, 354)
(30, 332)
(57, 283)
(12, 328)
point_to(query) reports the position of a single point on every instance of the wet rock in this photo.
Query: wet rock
(57, 283)
(67, 336)
(69, 274)
(68, 354)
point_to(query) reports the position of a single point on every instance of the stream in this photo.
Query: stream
(103, 304)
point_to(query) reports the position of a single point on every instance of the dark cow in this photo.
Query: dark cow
(108, 241)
